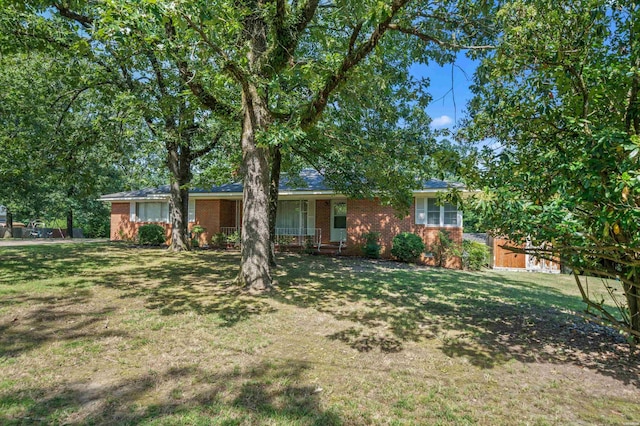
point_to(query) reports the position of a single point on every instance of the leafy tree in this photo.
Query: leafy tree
(285, 70)
(130, 67)
(560, 97)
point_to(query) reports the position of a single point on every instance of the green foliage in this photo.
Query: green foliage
(560, 96)
(371, 247)
(407, 247)
(196, 230)
(234, 239)
(444, 248)
(475, 255)
(151, 234)
(219, 240)
(309, 246)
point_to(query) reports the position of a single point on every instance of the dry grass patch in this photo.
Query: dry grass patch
(106, 334)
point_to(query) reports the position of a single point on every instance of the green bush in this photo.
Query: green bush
(407, 247)
(219, 240)
(309, 245)
(475, 256)
(195, 235)
(151, 235)
(443, 248)
(371, 248)
(235, 239)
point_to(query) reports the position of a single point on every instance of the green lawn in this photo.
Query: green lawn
(107, 334)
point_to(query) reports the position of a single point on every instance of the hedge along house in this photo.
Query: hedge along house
(309, 212)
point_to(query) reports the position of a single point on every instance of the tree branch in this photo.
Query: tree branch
(317, 106)
(83, 20)
(188, 80)
(207, 149)
(430, 39)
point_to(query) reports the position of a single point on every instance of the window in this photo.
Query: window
(433, 212)
(152, 212)
(295, 217)
(450, 214)
(429, 213)
(340, 215)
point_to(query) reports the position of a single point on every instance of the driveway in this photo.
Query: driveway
(11, 242)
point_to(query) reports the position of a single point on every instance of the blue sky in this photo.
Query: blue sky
(449, 89)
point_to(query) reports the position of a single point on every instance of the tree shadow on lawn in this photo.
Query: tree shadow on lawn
(170, 283)
(28, 263)
(204, 283)
(483, 317)
(63, 318)
(260, 393)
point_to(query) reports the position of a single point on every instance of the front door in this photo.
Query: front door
(338, 220)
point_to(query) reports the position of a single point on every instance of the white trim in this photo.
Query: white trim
(191, 215)
(335, 231)
(164, 205)
(238, 195)
(422, 212)
(132, 212)
(149, 198)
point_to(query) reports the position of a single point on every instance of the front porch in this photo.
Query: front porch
(291, 238)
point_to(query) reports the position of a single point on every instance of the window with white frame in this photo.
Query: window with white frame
(433, 212)
(429, 213)
(295, 217)
(450, 213)
(152, 211)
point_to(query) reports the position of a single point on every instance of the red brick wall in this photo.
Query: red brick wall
(365, 216)
(362, 216)
(227, 213)
(122, 229)
(208, 216)
(323, 219)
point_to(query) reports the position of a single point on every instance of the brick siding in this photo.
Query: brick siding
(362, 216)
(365, 216)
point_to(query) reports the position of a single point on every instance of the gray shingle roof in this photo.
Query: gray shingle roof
(309, 180)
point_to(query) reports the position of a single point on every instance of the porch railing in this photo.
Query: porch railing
(229, 230)
(287, 236)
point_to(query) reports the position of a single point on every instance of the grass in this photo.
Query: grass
(106, 334)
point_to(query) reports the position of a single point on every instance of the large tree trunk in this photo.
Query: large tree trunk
(179, 162)
(9, 224)
(70, 223)
(179, 212)
(633, 301)
(255, 272)
(274, 185)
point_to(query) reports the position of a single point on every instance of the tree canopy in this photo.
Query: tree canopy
(558, 102)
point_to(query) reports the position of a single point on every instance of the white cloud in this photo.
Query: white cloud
(442, 121)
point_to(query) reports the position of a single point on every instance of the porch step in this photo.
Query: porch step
(331, 249)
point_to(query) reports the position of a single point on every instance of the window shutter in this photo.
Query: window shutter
(311, 217)
(192, 210)
(132, 212)
(421, 217)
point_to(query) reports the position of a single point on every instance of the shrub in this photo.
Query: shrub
(371, 248)
(219, 240)
(407, 247)
(475, 256)
(234, 238)
(195, 235)
(444, 248)
(309, 246)
(151, 234)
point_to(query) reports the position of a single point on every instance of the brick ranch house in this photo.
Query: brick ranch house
(308, 210)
